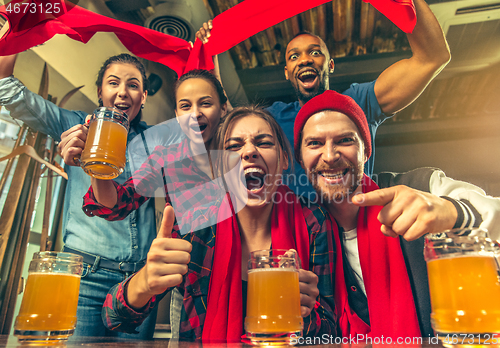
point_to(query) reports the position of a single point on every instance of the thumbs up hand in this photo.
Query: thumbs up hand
(167, 262)
(167, 222)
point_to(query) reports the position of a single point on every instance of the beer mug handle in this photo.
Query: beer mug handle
(496, 256)
(77, 161)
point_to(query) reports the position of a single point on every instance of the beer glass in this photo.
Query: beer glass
(104, 155)
(273, 300)
(48, 308)
(464, 286)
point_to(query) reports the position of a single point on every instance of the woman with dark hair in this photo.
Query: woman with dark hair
(111, 256)
(183, 170)
(123, 58)
(208, 266)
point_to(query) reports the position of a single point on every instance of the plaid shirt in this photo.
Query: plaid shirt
(118, 315)
(171, 168)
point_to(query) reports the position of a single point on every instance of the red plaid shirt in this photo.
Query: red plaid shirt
(171, 168)
(118, 315)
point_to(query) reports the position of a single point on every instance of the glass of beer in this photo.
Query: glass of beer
(464, 282)
(48, 308)
(273, 301)
(104, 155)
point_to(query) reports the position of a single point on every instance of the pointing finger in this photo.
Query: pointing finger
(377, 197)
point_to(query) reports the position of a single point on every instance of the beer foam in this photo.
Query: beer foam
(278, 269)
(485, 255)
(53, 274)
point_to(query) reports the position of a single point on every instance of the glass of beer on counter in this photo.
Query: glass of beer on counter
(273, 297)
(48, 308)
(104, 155)
(464, 282)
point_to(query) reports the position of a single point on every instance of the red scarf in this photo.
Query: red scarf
(230, 28)
(390, 299)
(400, 12)
(224, 321)
(31, 29)
(253, 16)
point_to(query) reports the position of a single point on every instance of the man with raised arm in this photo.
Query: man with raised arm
(308, 68)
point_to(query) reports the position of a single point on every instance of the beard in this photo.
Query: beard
(337, 193)
(305, 96)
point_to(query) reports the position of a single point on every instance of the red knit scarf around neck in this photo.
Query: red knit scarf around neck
(390, 299)
(224, 318)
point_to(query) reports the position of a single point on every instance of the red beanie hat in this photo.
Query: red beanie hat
(331, 100)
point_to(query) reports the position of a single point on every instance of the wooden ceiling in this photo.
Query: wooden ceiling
(348, 27)
(363, 43)
(472, 94)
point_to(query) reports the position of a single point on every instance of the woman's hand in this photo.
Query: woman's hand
(72, 143)
(7, 64)
(308, 283)
(167, 262)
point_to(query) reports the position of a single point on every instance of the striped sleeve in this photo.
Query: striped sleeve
(467, 215)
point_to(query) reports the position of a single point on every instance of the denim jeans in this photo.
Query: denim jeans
(94, 287)
(176, 303)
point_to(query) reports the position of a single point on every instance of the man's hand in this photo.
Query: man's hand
(204, 33)
(167, 262)
(308, 283)
(409, 213)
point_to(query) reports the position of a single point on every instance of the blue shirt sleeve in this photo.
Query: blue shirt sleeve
(364, 95)
(38, 113)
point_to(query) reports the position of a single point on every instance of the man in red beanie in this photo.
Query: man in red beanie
(309, 65)
(375, 295)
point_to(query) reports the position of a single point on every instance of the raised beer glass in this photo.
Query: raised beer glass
(104, 155)
(48, 308)
(464, 283)
(273, 300)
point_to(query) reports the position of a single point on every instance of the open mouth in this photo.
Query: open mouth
(308, 78)
(199, 127)
(254, 179)
(333, 176)
(122, 107)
